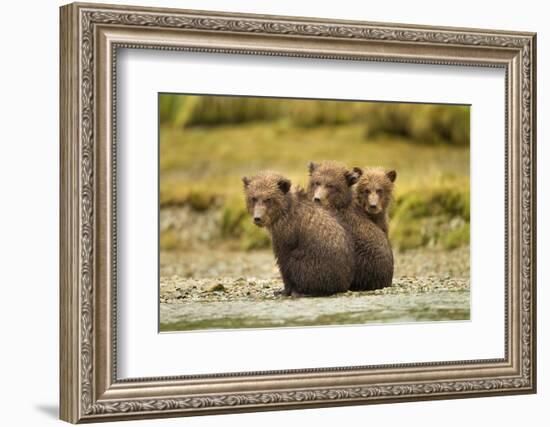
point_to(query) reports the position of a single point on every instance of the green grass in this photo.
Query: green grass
(426, 123)
(436, 216)
(212, 161)
(170, 241)
(457, 237)
(202, 168)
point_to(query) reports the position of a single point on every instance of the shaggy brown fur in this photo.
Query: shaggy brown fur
(313, 251)
(374, 193)
(330, 185)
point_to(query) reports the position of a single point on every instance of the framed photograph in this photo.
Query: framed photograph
(265, 212)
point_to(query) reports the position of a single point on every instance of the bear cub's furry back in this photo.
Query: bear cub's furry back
(313, 250)
(330, 185)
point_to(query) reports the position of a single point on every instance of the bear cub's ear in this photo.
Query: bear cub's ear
(246, 181)
(353, 176)
(284, 185)
(312, 166)
(391, 175)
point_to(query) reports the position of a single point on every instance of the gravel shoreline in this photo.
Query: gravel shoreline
(177, 290)
(239, 290)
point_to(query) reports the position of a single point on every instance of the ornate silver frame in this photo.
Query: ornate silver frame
(90, 36)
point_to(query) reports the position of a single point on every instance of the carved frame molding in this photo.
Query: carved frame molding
(90, 37)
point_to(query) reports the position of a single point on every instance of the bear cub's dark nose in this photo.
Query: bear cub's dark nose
(257, 219)
(317, 200)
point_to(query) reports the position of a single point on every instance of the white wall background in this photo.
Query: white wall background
(29, 171)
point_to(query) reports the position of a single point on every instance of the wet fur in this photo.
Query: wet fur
(372, 249)
(376, 184)
(313, 250)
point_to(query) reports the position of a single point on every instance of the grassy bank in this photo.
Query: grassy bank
(425, 123)
(201, 170)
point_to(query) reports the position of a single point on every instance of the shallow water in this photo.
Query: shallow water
(346, 309)
(198, 295)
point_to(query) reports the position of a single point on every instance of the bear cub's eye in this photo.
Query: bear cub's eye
(253, 199)
(267, 200)
(379, 191)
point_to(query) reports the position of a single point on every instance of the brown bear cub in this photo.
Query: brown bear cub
(313, 250)
(330, 186)
(374, 193)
